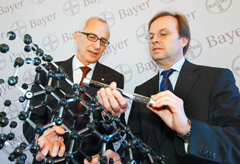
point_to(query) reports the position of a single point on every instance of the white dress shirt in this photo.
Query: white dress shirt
(77, 72)
(174, 76)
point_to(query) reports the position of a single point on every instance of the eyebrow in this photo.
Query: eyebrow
(163, 29)
(97, 36)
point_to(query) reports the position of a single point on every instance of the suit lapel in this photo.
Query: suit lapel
(67, 65)
(186, 80)
(100, 73)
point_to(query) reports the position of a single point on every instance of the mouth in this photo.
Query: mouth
(92, 52)
(157, 48)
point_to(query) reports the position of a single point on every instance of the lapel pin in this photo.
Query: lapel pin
(102, 79)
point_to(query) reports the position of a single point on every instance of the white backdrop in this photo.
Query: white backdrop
(215, 29)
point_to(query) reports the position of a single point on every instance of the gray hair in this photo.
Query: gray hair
(85, 21)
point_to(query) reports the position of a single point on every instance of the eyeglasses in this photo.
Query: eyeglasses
(94, 38)
(162, 34)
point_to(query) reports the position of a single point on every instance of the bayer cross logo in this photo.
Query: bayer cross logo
(12, 111)
(236, 66)
(50, 43)
(167, 1)
(109, 17)
(2, 62)
(126, 71)
(19, 27)
(218, 6)
(28, 76)
(37, 1)
(141, 33)
(71, 8)
(194, 50)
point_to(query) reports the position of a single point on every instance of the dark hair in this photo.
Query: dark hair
(183, 26)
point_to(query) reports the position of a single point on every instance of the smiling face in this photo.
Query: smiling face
(165, 52)
(90, 52)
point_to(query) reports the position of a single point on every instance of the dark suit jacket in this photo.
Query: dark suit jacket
(91, 145)
(211, 102)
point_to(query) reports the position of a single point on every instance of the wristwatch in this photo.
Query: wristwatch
(186, 137)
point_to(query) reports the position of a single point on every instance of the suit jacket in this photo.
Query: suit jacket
(92, 144)
(211, 102)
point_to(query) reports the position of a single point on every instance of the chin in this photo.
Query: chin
(158, 56)
(93, 60)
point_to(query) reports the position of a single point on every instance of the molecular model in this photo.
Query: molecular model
(42, 63)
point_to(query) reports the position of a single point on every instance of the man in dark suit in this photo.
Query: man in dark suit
(92, 41)
(199, 121)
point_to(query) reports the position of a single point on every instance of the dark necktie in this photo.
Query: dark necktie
(166, 83)
(85, 71)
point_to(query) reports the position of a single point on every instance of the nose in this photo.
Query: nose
(155, 39)
(97, 44)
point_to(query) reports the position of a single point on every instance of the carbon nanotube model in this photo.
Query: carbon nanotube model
(52, 90)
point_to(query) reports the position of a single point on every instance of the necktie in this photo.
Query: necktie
(85, 71)
(166, 83)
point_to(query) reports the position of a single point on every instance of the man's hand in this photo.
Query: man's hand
(174, 115)
(112, 100)
(50, 143)
(109, 154)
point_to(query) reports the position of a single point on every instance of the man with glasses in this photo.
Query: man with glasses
(196, 115)
(92, 41)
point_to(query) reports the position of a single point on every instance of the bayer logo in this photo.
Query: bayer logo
(50, 43)
(236, 66)
(19, 27)
(218, 6)
(141, 33)
(126, 71)
(194, 49)
(71, 8)
(109, 17)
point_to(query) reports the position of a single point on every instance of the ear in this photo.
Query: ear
(76, 35)
(184, 41)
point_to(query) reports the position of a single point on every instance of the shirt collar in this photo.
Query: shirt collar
(76, 64)
(176, 66)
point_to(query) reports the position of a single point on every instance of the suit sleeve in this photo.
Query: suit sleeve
(219, 139)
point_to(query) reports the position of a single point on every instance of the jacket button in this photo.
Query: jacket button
(213, 155)
(206, 153)
(201, 152)
(209, 154)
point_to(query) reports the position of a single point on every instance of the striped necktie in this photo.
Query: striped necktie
(166, 83)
